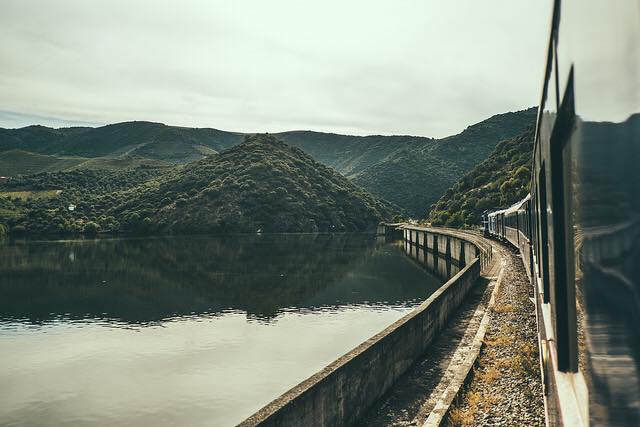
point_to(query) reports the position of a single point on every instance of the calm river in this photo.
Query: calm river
(186, 331)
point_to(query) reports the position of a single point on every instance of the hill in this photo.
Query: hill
(411, 172)
(501, 180)
(350, 154)
(345, 153)
(262, 184)
(418, 175)
(138, 139)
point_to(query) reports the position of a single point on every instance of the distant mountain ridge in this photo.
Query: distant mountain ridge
(409, 171)
(418, 175)
(350, 154)
(135, 139)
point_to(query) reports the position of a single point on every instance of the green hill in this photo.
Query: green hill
(349, 154)
(417, 176)
(262, 184)
(411, 172)
(145, 139)
(501, 180)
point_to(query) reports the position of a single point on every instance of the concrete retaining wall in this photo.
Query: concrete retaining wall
(443, 244)
(342, 392)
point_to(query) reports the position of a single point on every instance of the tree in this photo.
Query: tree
(91, 228)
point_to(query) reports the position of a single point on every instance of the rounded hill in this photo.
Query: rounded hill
(262, 184)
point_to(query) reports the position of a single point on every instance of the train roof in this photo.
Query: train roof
(518, 205)
(513, 208)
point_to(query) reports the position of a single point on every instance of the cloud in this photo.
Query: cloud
(411, 67)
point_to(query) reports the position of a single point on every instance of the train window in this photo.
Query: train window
(543, 263)
(504, 233)
(529, 224)
(527, 214)
(533, 206)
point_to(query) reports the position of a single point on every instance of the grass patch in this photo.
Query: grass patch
(529, 350)
(489, 375)
(504, 308)
(514, 363)
(461, 417)
(115, 164)
(499, 341)
(523, 363)
(24, 195)
(18, 162)
(489, 400)
(476, 402)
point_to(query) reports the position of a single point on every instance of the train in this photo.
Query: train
(578, 229)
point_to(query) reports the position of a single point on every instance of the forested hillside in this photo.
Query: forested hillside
(499, 181)
(417, 176)
(348, 154)
(260, 185)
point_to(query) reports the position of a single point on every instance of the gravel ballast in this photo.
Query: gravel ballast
(506, 388)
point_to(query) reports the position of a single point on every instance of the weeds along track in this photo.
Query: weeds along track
(506, 387)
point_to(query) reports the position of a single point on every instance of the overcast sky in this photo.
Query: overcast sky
(416, 67)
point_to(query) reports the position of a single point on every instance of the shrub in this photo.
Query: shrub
(91, 228)
(523, 173)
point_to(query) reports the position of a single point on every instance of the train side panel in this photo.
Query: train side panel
(579, 231)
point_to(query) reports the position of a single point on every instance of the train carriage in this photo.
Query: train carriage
(578, 230)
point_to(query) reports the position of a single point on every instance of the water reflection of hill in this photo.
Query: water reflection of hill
(142, 280)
